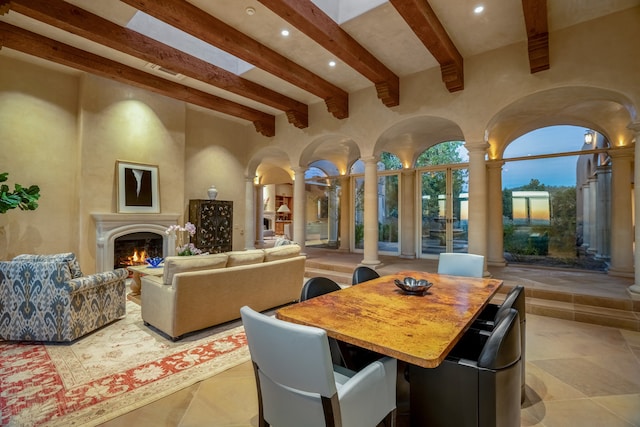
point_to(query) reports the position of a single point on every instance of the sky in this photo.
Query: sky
(559, 171)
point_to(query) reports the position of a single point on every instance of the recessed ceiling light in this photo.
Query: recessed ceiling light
(250, 11)
(332, 63)
(284, 33)
(478, 9)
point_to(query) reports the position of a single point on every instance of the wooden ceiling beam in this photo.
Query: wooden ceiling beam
(188, 18)
(536, 21)
(317, 25)
(77, 21)
(426, 25)
(36, 45)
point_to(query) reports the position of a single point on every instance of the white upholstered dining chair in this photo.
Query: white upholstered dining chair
(461, 264)
(298, 385)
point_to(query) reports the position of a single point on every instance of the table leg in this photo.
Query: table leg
(136, 284)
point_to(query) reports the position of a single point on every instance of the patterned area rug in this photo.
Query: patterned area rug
(112, 371)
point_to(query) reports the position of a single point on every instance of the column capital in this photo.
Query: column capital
(298, 170)
(369, 159)
(408, 172)
(634, 126)
(476, 147)
(495, 164)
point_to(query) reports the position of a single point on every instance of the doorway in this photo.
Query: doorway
(444, 210)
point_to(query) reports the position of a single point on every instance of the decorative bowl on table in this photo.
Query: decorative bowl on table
(413, 286)
(154, 262)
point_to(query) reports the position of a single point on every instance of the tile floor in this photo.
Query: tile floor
(578, 374)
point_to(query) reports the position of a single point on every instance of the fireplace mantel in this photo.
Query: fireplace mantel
(110, 226)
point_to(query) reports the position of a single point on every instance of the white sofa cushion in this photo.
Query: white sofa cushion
(281, 252)
(178, 264)
(251, 256)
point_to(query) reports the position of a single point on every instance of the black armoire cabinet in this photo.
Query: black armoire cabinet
(214, 225)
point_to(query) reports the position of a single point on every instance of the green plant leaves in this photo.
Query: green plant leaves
(21, 197)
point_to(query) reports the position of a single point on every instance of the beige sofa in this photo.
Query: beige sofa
(197, 292)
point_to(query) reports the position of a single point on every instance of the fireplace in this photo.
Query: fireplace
(110, 227)
(135, 248)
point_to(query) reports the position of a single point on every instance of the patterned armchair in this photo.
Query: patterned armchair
(46, 298)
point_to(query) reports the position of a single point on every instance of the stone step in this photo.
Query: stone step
(319, 265)
(341, 278)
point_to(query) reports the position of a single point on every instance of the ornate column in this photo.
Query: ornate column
(259, 218)
(634, 289)
(593, 201)
(586, 215)
(477, 198)
(370, 211)
(249, 214)
(495, 242)
(345, 213)
(621, 212)
(333, 211)
(299, 208)
(408, 215)
(603, 211)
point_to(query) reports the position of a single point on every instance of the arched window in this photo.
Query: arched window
(444, 153)
(556, 208)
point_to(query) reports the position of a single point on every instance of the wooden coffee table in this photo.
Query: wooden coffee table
(142, 270)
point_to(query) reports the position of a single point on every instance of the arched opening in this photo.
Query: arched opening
(556, 192)
(388, 204)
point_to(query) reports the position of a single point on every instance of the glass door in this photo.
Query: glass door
(444, 211)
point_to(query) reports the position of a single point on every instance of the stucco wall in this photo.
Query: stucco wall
(39, 145)
(65, 133)
(119, 122)
(215, 154)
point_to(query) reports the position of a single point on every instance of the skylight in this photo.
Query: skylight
(178, 39)
(340, 11)
(344, 10)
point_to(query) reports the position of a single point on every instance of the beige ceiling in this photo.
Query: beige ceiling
(381, 30)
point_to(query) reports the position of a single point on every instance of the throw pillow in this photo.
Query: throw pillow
(281, 241)
(251, 256)
(179, 264)
(281, 252)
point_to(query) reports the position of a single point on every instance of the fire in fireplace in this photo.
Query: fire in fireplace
(135, 248)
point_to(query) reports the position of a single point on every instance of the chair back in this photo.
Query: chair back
(502, 348)
(514, 299)
(317, 286)
(457, 264)
(363, 274)
(292, 365)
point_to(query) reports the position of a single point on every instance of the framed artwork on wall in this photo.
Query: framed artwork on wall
(138, 188)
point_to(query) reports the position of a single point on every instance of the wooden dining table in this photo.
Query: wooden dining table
(379, 316)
